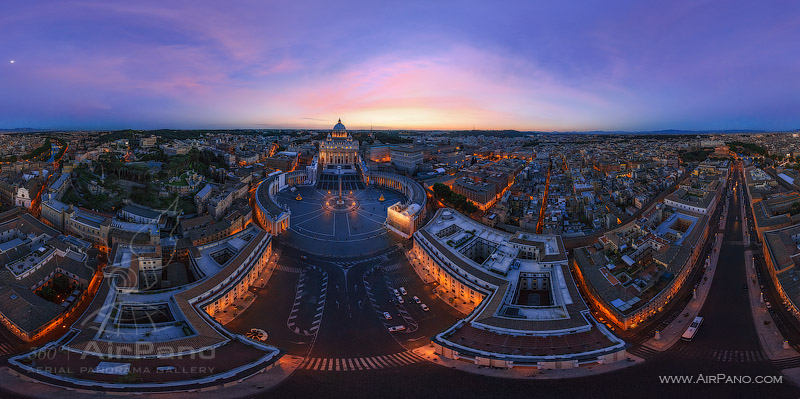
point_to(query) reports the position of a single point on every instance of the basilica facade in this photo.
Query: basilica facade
(338, 148)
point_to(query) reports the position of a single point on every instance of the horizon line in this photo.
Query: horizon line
(659, 131)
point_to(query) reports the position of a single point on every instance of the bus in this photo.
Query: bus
(692, 330)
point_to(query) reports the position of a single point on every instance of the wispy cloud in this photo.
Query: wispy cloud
(521, 65)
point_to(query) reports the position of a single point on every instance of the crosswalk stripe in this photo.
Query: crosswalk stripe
(388, 361)
(346, 364)
(403, 360)
(392, 361)
(379, 361)
(408, 356)
(366, 364)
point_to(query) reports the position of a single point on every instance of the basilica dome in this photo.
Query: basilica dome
(339, 127)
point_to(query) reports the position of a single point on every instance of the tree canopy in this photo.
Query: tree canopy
(457, 201)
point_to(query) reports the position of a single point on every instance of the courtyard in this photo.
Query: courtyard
(320, 226)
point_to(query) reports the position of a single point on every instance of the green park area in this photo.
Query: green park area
(457, 201)
(106, 183)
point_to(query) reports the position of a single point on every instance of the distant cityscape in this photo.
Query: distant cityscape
(426, 199)
(139, 256)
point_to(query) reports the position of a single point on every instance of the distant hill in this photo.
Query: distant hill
(664, 132)
(23, 130)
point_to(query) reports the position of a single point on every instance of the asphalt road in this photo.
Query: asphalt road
(726, 344)
(787, 324)
(351, 325)
(349, 311)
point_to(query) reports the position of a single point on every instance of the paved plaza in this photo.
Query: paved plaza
(319, 227)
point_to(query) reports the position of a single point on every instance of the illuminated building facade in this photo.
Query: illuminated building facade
(338, 148)
(518, 295)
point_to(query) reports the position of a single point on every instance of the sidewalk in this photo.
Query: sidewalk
(233, 310)
(239, 305)
(428, 353)
(419, 269)
(672, 333)
(258, 383)
(771, 338)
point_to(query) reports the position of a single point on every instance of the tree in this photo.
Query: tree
(61, 284)
(470, 208)
(457, 201)
(442, 191)
(47, 292)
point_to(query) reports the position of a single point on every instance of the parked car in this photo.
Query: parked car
(416, 299)
(424, 307)
(403, 291)
(387, 316)
(396, 292)
(397, 328)
(400, 299)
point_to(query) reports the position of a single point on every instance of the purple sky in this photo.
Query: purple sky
(549, 65)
